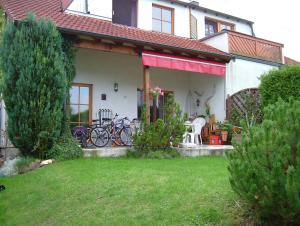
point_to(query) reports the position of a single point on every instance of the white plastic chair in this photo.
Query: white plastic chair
(193, 137)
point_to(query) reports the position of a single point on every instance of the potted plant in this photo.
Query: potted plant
(225, 128)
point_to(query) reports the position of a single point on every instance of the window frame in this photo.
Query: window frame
(218, 23)
(153, 115)
(161, 20)
(90, 102)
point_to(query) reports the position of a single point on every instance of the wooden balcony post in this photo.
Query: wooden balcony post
(147, 92)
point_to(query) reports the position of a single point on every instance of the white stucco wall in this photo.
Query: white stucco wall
(181, 18)
(102, 8)
(240, 26)
(242, 74)
(210, 85)
(102, 70)
(219, 41)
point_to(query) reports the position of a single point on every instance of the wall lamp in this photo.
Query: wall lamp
(116, 87)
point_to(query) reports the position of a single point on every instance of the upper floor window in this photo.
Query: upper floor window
(162, 19)
(213, 26)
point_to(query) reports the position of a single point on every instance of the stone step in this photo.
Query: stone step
(204, 150)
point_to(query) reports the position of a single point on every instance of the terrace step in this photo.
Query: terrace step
(200, 150)
(105, 152)
(204, 150)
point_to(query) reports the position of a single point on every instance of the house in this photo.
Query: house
(127, 47)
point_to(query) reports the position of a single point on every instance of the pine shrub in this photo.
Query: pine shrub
(161, 135)
(265, 167)
(283, 83)
(35, 84)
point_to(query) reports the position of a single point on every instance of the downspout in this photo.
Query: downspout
(252, 30)
(86, 5)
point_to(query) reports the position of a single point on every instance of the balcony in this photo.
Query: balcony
(245, 45)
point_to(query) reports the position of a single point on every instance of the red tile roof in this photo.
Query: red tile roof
(67, 22)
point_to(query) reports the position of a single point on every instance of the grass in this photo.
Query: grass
(121, 192)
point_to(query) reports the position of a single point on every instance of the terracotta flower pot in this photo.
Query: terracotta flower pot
(224, 135)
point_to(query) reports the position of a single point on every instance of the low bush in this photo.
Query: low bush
(67, 148)
(283, 83)
(162, 134)
(265, 167)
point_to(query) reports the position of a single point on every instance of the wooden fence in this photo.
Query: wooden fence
(238, 101)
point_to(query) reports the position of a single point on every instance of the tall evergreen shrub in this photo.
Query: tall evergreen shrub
(34, 84)
(265, 168)
(283, 83)
(70, 69)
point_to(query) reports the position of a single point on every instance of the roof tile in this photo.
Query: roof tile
(52, 9)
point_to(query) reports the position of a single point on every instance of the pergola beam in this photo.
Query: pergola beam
(147, 92)
(106, 47)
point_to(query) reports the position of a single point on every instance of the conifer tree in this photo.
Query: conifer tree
(265, 168)
(34, 88)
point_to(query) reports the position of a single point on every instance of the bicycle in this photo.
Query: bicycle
(117, 131)
(83, 134)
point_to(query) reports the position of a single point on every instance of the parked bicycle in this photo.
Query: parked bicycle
(107, 130)
(117, 131)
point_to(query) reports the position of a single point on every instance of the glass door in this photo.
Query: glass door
(80, 104)
(157, 110)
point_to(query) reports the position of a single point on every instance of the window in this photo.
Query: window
(80, 104)
(213, 26)
(194, 30)
(162, 19)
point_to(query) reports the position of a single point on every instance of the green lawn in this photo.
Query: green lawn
(121, 192)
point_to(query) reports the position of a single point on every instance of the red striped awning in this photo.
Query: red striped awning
(163, 60)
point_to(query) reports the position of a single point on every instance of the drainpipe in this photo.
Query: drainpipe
(252, 30)
(86, 5)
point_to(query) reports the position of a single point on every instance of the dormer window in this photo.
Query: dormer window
(213, 26)
(162, 19)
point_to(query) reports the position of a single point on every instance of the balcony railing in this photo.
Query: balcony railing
(249, 46)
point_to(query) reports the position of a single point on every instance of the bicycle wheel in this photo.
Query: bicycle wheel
(89, 143)
(80, 133)
(100, 137)
(126, 136)
(116, 138)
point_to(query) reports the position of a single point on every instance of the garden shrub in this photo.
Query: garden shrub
(70, 69)
(65, 149)
(265, 167)
(34, 88)
(162, 134)
(283, 83)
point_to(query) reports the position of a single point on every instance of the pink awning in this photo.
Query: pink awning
(169, 61)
